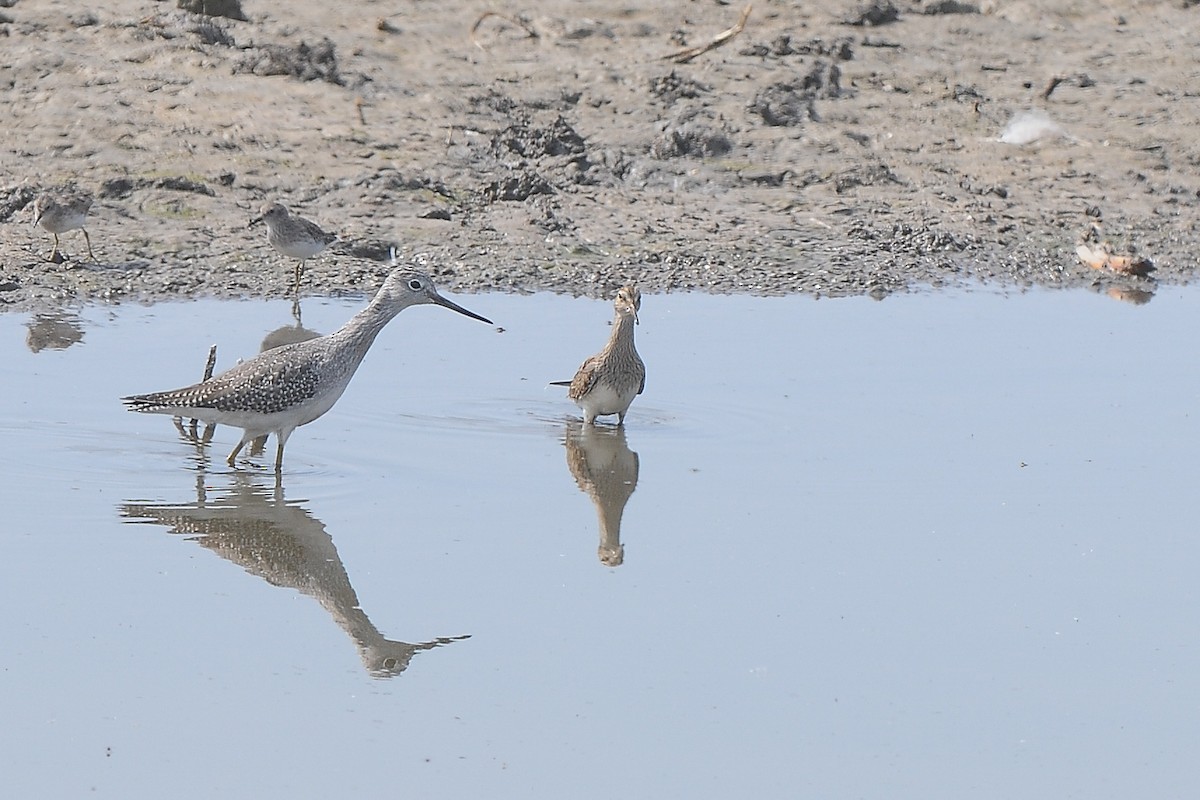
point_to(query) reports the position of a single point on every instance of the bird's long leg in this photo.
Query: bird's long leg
(299, 269)
(282, 437)
(53, 259)
(88, 239)
(233, 456)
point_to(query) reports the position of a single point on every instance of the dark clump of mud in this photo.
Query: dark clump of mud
(306, 62)
(214, 8)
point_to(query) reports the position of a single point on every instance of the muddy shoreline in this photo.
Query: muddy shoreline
(819, 150)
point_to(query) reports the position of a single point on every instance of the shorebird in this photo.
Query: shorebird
(62, 211)
(281, 389)
(607, 382)
(294, 237)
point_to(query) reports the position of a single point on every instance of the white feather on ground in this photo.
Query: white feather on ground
(1027, 127)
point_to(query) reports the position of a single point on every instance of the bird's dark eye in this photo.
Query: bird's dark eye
(415, 285)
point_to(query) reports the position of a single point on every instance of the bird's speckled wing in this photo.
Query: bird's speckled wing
(267, 391)
(264, 387)
(314, 232)
(585, 378)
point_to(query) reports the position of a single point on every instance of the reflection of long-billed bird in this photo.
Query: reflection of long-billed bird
(607, 382)
(607, 471)
(281, 389)
(252, 526)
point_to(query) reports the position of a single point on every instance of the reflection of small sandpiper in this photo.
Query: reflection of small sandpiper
(606, 470)
(294, 237)
(607, 382)
(56, 330)
(62, 211)
(281, 389)
(288, 334)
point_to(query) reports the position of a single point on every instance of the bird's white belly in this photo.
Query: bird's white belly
(301, 248)
(605, 400)
(256, 423)
(63, 221)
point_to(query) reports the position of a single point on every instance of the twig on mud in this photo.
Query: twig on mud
(532, 33)
(358, 106)
(1051, 86)
(193, 432)
(686, 55)
(211, 364)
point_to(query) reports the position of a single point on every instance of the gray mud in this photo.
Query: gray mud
(819, 150)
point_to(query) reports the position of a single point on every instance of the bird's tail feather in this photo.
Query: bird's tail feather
(142, 402)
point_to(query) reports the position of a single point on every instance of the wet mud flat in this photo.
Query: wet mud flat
(568, 147)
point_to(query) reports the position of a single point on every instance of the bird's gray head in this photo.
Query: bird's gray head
(407, 287)
(271, 212)
(628, 302)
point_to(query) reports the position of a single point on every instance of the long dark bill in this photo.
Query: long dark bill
(441, 301)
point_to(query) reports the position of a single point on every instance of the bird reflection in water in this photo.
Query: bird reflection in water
(253, 526)
(606, 470)
(287, 334)
(53, 330)
(1135, 295)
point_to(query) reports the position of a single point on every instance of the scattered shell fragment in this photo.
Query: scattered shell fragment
(1101, 256)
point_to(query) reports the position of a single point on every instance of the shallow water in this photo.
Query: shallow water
(935, 546)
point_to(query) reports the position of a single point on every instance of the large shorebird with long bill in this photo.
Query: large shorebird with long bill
(279, 390)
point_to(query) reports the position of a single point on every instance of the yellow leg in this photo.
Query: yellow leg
(232, 460)
(88, 239)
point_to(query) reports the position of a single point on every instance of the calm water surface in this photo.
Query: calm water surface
(935, 546)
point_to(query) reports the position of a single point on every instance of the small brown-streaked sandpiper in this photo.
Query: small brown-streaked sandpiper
(62, 211)
(607, 382)
(294, 237)
(281, 389)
